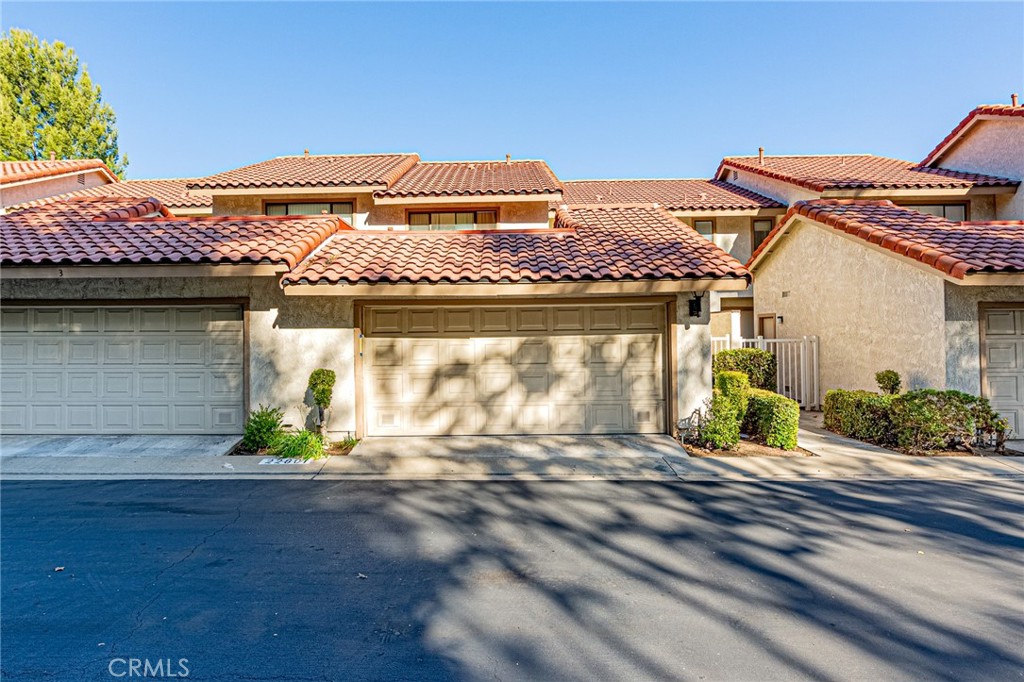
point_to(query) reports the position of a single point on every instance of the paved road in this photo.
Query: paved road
(300, 580)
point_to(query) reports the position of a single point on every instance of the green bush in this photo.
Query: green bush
(736, 387)
(888, 381)
(916, 421)
(772, 419)
(859, 414)
(719, 427)
(321, 385)
(298, 444)
(262, 428)
(759, 365)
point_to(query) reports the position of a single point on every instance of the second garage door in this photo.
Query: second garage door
(552, 369)
(1003, 353)
(122, 370)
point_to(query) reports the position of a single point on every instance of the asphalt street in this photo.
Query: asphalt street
(318, 580)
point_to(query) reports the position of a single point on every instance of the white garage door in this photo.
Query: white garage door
(1003, 378)
(547, 369)
(121, 370)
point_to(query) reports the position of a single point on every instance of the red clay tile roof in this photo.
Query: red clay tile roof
(171, 193)
(474, 178)
(77, 232)
(613, 244)
(955, 248)
(856, 171)
(979, 113)
(20, 171)
(675, 195)
(341, 170)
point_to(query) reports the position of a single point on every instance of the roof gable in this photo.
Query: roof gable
(981, 113)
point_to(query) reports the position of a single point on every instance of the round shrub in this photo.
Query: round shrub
(759, 365)
(736, 387)
(321, 385)
(772, 419)
(888, 381)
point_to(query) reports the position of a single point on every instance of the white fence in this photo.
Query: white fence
(797, 361)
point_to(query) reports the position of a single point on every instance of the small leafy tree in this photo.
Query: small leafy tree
(888, 381)
(48, 103)
(321, 385)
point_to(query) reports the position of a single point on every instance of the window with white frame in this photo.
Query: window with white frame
(344, 209)
(762, 227)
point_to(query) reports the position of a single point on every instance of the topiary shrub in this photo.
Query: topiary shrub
(303, 445)
(262, 428)
(772, 419)
(719, 425)
(759, 365)
(736, 387)
(321, 385)
(859, 414)
(888, 381)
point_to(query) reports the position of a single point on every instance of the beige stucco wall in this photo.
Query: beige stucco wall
(288, 338)
(870, 310)
(963, 339)
(995, 147)
(48, 187)
(776, 189)
(252, 204)
(693, 357)
(511, 215)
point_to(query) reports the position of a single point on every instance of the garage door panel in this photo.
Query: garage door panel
(116, 370)
(83, 351)
(1001, 322)
(508, 370)
(1003, 354)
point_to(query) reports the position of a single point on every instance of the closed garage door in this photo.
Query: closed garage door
(122, 370)
(514, 370)
(1003, 351)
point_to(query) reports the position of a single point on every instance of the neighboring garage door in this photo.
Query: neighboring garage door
(1003, 353)
(544, 369)
(122, 370)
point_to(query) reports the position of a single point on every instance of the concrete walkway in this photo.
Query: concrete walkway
(502, 458)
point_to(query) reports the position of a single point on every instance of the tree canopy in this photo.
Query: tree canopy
(48, 103)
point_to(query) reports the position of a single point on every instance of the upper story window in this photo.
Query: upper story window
(345, 209)
(705, 228)
(954, 212)
(486, 219)
(761, 229)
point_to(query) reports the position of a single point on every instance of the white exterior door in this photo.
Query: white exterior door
(1003, 373)
(544, 369)
(121, 370)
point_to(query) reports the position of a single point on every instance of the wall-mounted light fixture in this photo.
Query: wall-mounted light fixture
(779, 318)
(695, 304)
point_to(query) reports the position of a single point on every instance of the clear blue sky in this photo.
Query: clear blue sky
(598, 90)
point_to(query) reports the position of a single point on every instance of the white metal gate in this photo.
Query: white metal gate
(797, 361)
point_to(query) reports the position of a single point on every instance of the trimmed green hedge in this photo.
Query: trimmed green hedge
(759, 365)
(736, 387)
(915, 421)
(719, 429)
(772, 419)
(858, 414)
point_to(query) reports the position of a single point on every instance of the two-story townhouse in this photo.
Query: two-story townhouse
(913, 267)
(440, 293)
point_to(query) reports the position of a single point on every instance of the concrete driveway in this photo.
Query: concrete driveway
(115, 446)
